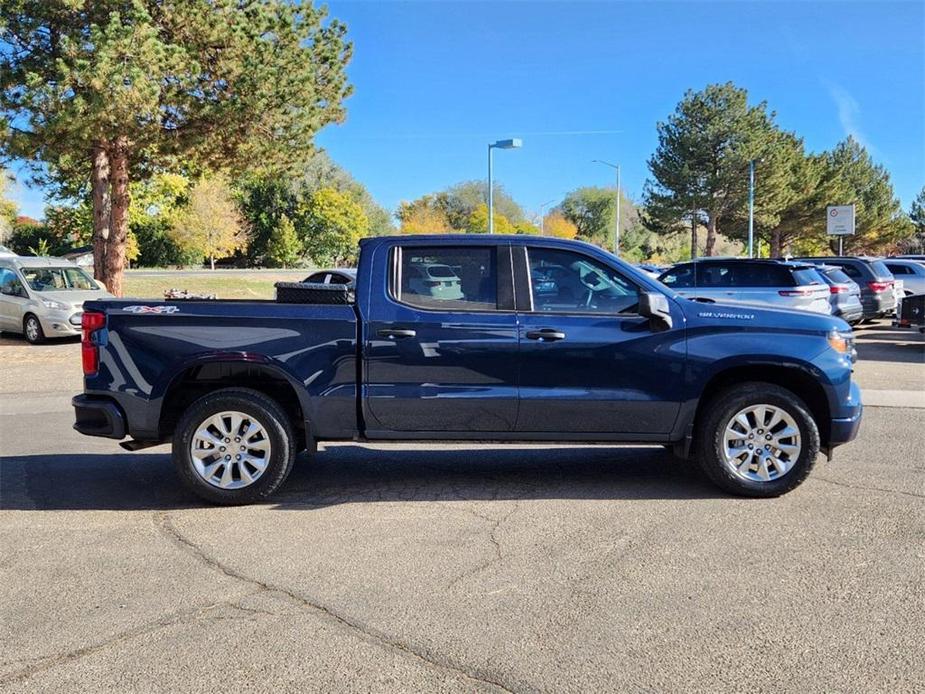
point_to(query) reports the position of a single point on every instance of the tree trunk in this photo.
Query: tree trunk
(99, 188)
(693, 236)
(118, 223)
(776, 246)
(212, 261)
(711, 236)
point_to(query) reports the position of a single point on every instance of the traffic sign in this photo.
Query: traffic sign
(839, 220)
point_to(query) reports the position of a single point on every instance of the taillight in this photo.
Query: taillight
(796, 292)
(836, 289)
(880, 286)
(432, 283)
(90, 322)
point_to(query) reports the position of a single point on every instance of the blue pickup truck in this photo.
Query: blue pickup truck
(469, 338)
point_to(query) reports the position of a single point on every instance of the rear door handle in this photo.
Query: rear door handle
(546, 335)
(397, 332)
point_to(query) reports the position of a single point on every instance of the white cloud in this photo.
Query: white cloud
(849, 114)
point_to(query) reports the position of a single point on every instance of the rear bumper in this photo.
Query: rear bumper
(849, 313)
(845, 428)
(96, 416)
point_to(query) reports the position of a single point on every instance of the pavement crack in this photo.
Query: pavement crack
(179, 617)
(368, 633)
(818, 478)
(493, 538)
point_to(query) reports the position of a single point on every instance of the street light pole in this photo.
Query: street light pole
(491, 195)
(751, 208)
(616, 230)
(514, 143)
(543, 216)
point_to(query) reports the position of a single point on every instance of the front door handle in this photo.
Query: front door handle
(397, 332)
(546, 335)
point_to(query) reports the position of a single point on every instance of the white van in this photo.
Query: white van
(44, 297)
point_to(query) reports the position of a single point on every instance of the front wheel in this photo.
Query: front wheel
(32, 329)
(758, 439)
(234, 446)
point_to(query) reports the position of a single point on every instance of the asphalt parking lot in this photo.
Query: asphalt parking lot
(460, 568)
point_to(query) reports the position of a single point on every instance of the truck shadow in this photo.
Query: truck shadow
(359, 474)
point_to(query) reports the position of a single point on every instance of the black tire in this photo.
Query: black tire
(267, 413)
(32, 330)
(720, 411)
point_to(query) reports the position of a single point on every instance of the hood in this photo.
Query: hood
(74, 297)
(764, 317)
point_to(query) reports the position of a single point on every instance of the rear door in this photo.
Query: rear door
(441, 345)
(589, 364)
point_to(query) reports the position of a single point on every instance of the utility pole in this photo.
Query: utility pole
(751, 208)
(616, 230)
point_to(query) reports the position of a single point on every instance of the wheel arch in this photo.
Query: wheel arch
(204, 376)
(796, 378)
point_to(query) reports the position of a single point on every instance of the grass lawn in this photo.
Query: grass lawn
(257, 284)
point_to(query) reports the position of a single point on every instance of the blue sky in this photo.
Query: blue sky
(436, 81)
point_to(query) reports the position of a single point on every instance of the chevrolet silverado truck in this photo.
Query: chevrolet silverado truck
(469, 338)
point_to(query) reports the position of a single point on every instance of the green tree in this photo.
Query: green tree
(880, 222)
(478, 221)
(331, 226)
(458, 203)
(322, 172)
(156, 202)
(101, 93)
(593, 210)
(915, 243)
(700, 168)
(284, 247)
(8, 208)
(210, 225)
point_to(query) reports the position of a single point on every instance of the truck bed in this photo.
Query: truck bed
(153, 345)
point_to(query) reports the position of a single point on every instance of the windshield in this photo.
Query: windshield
(56, 279)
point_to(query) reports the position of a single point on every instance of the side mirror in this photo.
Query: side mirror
(655, 307)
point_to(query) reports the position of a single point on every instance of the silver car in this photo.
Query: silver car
(911, 272)
(44, 297)
(774, 283)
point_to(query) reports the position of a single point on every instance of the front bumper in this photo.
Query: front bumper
(61, 323)
(845, 428)
(96, 416)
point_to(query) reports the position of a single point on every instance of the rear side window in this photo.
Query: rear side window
(899, 269)
(880, 269)
(448, 278)
(679, 277)
(760, 275)
(838, 276)
(852, 271)
(809, 276)
(714, 275)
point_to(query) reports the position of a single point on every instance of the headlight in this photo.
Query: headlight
(843, 343)
(54, 305)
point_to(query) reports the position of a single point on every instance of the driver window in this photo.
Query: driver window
(568, 282)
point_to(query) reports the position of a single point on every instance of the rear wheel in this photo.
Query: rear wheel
(32, 329)
(758, 439)
(234, 446)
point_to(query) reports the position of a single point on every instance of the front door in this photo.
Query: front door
(590, 365)
(441, 342)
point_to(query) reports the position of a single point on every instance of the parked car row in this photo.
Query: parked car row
(854, 288)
